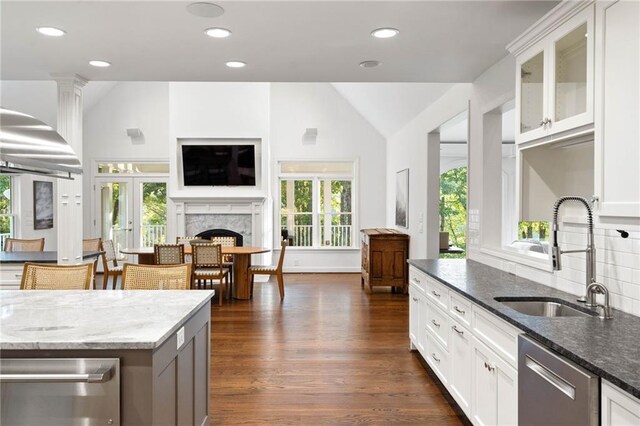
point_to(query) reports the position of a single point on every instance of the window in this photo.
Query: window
(6, 209)
(317, 203)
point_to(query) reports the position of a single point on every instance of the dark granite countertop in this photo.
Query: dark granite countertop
(608, 348)
(38, 256)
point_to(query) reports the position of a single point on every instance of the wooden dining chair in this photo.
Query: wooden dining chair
(37, 276)
(156, 277)
(110, 264)
(207, 264)
(15, 244)
(271, 270)
(227, 259)
(187, 242)
(168, 254)
(93, 244)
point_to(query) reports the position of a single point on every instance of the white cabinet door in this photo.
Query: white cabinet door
(617, 130)
(618, 408)
(484, 404)
(417, 315)
(460, 352)
(414, 316)
(494, 388)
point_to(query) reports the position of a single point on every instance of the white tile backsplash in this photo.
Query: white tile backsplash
(617, 265)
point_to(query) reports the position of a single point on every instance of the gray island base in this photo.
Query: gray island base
(159, 339)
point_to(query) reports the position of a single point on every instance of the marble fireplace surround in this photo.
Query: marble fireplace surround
(242, 216)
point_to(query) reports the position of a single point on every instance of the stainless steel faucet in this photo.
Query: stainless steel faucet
(597, 288)
(590, 250)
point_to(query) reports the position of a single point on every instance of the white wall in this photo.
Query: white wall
(127, 105)
(342, 134)
(223, 111)
(408, 149)
(36, 98)
(23, 200)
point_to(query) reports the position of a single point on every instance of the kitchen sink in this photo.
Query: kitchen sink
(543, 307)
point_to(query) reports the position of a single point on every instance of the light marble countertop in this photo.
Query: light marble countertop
(81, 319)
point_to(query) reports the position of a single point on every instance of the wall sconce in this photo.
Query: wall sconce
(136, 135)
(310, 136)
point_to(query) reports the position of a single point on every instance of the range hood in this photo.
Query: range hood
(27, 145)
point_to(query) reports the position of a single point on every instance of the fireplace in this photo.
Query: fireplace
(209, 233)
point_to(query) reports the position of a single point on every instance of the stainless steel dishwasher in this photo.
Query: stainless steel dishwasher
(60, 391)
(553, 390)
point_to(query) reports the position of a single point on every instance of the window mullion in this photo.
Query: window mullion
(315, 211)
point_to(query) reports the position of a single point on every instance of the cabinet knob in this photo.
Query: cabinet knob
(435, 294)
(458, 310)
(435, 323)
(414, 299)
(433, 355)
(460, 332)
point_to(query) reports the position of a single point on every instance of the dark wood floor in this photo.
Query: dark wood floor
(329, 354)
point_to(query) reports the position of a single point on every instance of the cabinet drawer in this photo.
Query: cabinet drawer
(438, 293)
(438, 359)
(438, 324)
(460, 309)
(10, 277)
(496, 334)
(417, 278)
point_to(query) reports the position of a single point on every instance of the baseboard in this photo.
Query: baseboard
(320, 269)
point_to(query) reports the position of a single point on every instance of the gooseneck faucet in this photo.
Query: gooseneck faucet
(590, 250)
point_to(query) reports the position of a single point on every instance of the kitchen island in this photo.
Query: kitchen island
(12, 263)
(152, 346)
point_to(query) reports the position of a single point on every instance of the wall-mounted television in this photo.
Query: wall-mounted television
(218, 165)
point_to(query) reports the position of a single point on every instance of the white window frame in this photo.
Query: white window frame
(315, 213)
(13, 215)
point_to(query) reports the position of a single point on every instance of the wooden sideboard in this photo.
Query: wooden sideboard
(384, 258)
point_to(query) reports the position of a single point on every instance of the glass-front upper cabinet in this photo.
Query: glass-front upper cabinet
(532, 96)
(555, 80)
(571, 74)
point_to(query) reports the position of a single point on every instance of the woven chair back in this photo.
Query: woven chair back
(56, 277)
(92, 244)
(225, 242)
(185, 240)
(168, 254)
(109, 251)
(15, 244)
(207, 255)
(156, 277)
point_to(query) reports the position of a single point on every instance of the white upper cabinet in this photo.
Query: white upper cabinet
(617, 108)
(554, 74)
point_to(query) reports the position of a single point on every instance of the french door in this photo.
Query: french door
(131, 211)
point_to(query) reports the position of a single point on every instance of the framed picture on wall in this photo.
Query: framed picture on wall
(402, 198)
(42, 205)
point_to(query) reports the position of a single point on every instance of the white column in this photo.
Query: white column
(433, 195)
(69, 215)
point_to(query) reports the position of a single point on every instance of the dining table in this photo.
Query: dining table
(241, 288)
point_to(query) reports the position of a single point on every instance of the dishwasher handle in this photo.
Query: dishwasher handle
(551, 377)
(101, 375)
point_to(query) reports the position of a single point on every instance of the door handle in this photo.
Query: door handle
(101, 375)
(552, 378)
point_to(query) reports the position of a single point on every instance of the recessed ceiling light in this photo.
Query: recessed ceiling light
(236, 64)
(370, 64)
(51, 31)
(101, 64)
(205, 9)
(385, 32)
(217, 32)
